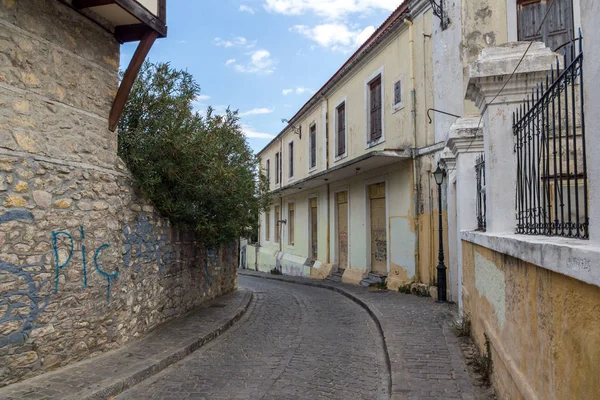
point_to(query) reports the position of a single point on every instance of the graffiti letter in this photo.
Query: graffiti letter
(83, 256)
(104, 273)
(59, 266)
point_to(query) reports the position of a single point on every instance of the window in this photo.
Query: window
(277, 225)
(558, 27)
(291, 215)
(375, 100)
(268, 168)
(277, 169)
(312, 143)
(341, 130)
(268, 225)
(398, 95)
(291, 159)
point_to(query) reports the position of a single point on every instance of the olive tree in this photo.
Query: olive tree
(197, 168)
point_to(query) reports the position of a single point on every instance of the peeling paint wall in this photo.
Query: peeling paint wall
(544, 327)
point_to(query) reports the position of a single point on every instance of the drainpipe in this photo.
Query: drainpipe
(280, 223)
(413, 113)
(281, 164)
(326, 119)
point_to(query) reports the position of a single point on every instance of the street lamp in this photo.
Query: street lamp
(439, 174)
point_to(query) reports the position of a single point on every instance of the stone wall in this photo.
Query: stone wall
(85, 263)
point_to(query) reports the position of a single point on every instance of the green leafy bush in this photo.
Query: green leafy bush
(196, 168)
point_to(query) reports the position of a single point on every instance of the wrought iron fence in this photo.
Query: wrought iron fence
(552, 193)
(480, 174)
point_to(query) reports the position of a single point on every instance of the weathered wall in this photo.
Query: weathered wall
(85, 264)
(544, 327)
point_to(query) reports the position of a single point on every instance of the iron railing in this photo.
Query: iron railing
(552, 193)
(480, 175)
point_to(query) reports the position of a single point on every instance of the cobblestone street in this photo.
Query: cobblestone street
(295, 342)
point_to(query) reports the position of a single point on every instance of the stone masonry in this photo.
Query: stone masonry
(86, 264)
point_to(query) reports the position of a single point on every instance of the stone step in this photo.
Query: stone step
(334, 278)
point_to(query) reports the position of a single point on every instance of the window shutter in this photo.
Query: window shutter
(376, 109)
(341, 148)
(558, 27)
(313, 146)
(397, 93)
(291, 159)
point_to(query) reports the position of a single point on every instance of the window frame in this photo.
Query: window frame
(291, 160)
(398, 106)
(311, 126)
(268, 225)
(268, 169)
(379, 73)
(277, 224)
(291, 224)
(277, 169)
(337, 106)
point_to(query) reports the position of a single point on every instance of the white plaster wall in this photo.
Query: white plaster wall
(401, 236)
(448, 81)
(591, 71)
(489, 281)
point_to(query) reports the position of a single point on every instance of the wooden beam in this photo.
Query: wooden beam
(145, 16)
(80, 4)
(129, 78)
(131, 33)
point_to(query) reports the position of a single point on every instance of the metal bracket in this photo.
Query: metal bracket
(438, 11)
(296, 129)
(441, 112)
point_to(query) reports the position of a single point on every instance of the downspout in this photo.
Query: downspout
(324, 107)
(279, 225)
(413, 112)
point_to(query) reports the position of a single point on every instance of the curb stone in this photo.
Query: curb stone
(370, 310)
(136, 377)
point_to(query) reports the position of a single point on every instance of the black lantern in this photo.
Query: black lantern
(439, 175)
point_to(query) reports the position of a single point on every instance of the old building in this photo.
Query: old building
(350, 172)
(521, 186)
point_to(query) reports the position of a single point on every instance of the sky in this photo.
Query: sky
(265, 58)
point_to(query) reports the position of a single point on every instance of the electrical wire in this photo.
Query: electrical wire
(511, 75)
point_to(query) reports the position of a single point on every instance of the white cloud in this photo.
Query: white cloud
(251, 133)
(230, 61)
(245, 8)
(238, 41)
(256, 111)
(298, 90)
(202, 97)
(260, 63)
(330, 9)
(335, 36)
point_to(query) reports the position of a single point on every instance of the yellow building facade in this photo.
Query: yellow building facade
(346, 170)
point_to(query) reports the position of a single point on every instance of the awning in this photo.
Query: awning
(366, 162)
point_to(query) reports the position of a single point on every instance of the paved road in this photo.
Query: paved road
(295, 342)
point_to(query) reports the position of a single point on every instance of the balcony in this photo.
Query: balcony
(131, 19)
(367, 162)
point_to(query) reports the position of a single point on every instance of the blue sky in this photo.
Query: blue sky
(264, 58)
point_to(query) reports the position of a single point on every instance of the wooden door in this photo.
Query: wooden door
(378, 229)
(342, 231)
(313, 228)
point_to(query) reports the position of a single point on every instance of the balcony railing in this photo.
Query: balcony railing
(552, 192)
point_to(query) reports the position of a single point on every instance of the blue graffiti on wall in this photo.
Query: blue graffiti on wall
(21, 307)
(59, 265)
(143, 245)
